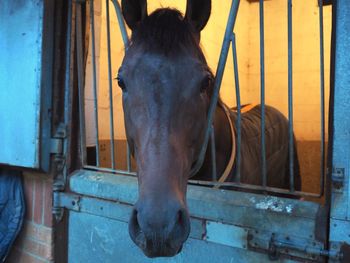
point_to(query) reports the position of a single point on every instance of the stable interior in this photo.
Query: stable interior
(306, 73)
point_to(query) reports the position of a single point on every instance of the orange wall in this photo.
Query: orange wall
(306, 60)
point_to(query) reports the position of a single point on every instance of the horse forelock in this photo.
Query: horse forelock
(166, 31)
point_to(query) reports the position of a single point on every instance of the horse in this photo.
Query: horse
(167, 87)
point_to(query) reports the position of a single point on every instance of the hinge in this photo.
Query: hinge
(277, 245)
(69, 201)
(58, 139)
(56, 146)
(338, 175)
(57, 149)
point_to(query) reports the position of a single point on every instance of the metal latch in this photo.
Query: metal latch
(338, 175)
(277, 245)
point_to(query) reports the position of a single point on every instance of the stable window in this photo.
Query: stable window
(279, 63)
(277, 60)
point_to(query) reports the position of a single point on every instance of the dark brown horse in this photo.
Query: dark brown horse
(167, 87)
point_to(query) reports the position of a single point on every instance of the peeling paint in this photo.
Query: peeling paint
(96, 177)
(252, 199)
(274, 204)
(289, 208)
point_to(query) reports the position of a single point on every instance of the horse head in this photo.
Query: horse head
(166, 86)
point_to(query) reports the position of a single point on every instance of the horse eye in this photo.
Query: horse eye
(206, 83)
(121, 83)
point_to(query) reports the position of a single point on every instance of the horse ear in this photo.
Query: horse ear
(198, 13)
(134, 11)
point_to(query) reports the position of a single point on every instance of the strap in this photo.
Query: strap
(246, 108)
(229, 166)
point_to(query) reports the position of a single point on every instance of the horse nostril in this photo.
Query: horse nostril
(136, 232)
(183, 218)
(182, 226)
(180, 217)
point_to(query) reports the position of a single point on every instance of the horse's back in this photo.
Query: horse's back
(276, 148)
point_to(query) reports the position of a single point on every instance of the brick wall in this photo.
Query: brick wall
(35, 242)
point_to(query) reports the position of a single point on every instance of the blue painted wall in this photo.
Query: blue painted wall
(340, 213)
(21, 26)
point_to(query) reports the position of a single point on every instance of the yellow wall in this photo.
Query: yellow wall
(306, 60)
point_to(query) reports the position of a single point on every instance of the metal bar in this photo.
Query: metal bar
(80, 68)
(218, 80)
(262, 93)
(128, 157)
(110, 88)
(217, 184)
(68, 92)
(238, 103)
(290, 97)
(109, 170)
(125, 38)
(121, 23)
(323, 157)
(94, 85)
(308, 249)
(213, 154)
(210, 183)
(254, 188)
(214, 184)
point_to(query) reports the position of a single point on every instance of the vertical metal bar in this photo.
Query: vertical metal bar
(262, 93)
(94, 85)
(110, 86)
(125, 37)
(121, 23)
(80, 63)
(218, 80)
(68, 91)
(238, 102)
(213, 154)
(128, 157)
(290, 96)
(320, 3)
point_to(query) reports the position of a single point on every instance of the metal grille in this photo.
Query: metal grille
(229, 41)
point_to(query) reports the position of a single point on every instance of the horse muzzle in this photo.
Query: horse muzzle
(159, 235)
